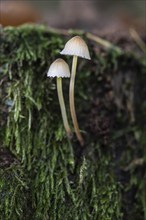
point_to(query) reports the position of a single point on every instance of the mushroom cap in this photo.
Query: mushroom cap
(59, 68)
(76, 46)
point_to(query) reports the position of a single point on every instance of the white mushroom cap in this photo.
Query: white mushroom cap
(59, 68)
(76, 46)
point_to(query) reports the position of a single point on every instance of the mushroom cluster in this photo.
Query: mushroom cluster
(75, 47)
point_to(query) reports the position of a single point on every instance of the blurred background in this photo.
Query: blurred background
(80, 14)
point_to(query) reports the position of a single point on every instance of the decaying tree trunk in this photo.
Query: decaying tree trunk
(43, 175)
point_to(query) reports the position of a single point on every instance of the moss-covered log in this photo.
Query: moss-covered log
(43, 175)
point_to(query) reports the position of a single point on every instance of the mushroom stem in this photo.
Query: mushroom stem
(62, 107)
(72, 103)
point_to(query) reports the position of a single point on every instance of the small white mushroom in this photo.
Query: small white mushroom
(59, 68)
(75, 47)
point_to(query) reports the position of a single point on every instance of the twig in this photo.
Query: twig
(103, 42)
(90, 36)
(138, 39)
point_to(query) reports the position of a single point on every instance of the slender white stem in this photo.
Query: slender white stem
(72, 102)
(62, 106)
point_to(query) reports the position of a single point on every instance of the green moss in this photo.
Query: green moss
(56, 178)
(13, 194)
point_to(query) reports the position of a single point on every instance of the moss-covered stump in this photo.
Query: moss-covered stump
(43, 175)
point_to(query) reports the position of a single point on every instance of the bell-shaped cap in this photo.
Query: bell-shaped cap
(59, 68)
(76, 46)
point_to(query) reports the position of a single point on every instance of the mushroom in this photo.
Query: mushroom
(76, 47)
(59, 68)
